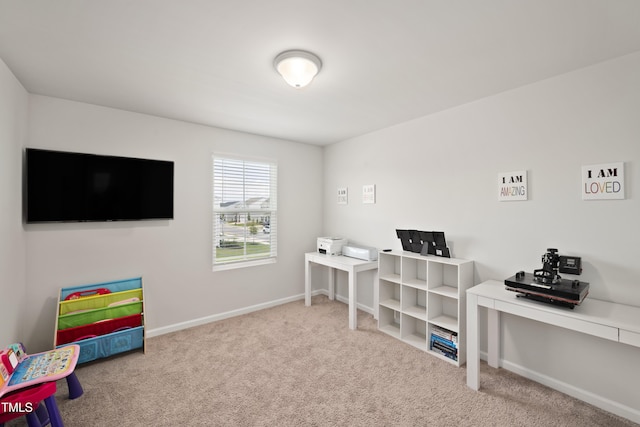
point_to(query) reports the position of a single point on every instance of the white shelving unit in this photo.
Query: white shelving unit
(419, 294)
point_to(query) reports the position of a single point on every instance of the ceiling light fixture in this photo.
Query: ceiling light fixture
(297, 67)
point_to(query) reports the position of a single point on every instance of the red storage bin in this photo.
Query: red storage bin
(68, 335)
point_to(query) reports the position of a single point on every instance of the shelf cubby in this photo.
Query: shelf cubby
(389, 268)
(413, 331)
(414, 302)
(389, 321)
(419, 294)
(443, 311)
(443, 343)
(414, 272)
(389, 294)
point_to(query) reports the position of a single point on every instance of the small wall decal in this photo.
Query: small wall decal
(604, 181)
(369, 193)
(343, 196)
(512, 186)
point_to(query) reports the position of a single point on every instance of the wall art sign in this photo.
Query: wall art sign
(343, 196)
(369, 193)
(512, 186)
(603, 182)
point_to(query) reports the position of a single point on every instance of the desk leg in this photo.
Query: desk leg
(473, 343)
(307, 283)
(332, 283)
(493, 338)
(353, 309)
(376, 295)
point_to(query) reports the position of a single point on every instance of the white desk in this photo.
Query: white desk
(351, 265)
(615, 322)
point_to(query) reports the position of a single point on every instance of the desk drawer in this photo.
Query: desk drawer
(556, 317)
(628, 337)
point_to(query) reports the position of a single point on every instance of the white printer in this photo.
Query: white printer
(331, 245)
(366, 253)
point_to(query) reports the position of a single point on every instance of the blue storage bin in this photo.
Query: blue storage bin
(117, 286)
(111, 344)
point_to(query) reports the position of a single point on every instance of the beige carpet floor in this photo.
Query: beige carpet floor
(301, 366)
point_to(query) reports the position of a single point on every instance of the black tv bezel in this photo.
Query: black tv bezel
(83, 218)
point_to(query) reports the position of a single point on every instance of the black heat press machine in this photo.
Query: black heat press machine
(546, 285)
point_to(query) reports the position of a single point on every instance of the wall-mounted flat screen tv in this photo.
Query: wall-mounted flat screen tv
(77, 187)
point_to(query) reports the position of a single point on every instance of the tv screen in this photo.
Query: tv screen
(75, 187)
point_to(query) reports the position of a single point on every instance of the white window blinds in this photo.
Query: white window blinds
(244, 210)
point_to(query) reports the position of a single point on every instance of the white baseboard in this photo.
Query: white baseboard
(573, 391)
(345, 300)
(362, 307)
(150, 333)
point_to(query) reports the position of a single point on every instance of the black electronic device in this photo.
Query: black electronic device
(77, 187)
(570, 264)
(548, 274)
(546, 285)
(563, 292)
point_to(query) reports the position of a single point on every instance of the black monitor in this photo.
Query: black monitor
(77, 187)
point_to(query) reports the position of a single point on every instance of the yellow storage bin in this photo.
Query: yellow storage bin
(99, 301)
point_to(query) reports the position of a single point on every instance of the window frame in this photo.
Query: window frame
(262, 206)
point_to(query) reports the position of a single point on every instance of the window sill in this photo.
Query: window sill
(243, 264)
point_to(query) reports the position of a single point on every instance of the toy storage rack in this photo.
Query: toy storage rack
(101, 324)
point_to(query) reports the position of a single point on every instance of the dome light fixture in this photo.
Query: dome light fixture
(297, 67)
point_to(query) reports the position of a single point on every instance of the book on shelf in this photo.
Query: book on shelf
(440, 348)
(445, 333)
(445, 354)
(442, 343)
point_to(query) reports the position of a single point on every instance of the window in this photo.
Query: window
(244, 212)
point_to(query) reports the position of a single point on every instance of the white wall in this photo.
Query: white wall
(440, 173)
(174, 257)
(13, 133)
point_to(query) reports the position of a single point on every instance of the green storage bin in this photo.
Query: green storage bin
(97, 315)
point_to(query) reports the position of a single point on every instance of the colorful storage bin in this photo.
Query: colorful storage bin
(111, 344)
(116, 286)
(92, 330)
(102, 324)
(100, 301)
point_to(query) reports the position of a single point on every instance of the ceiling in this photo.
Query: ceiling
(384, 62)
